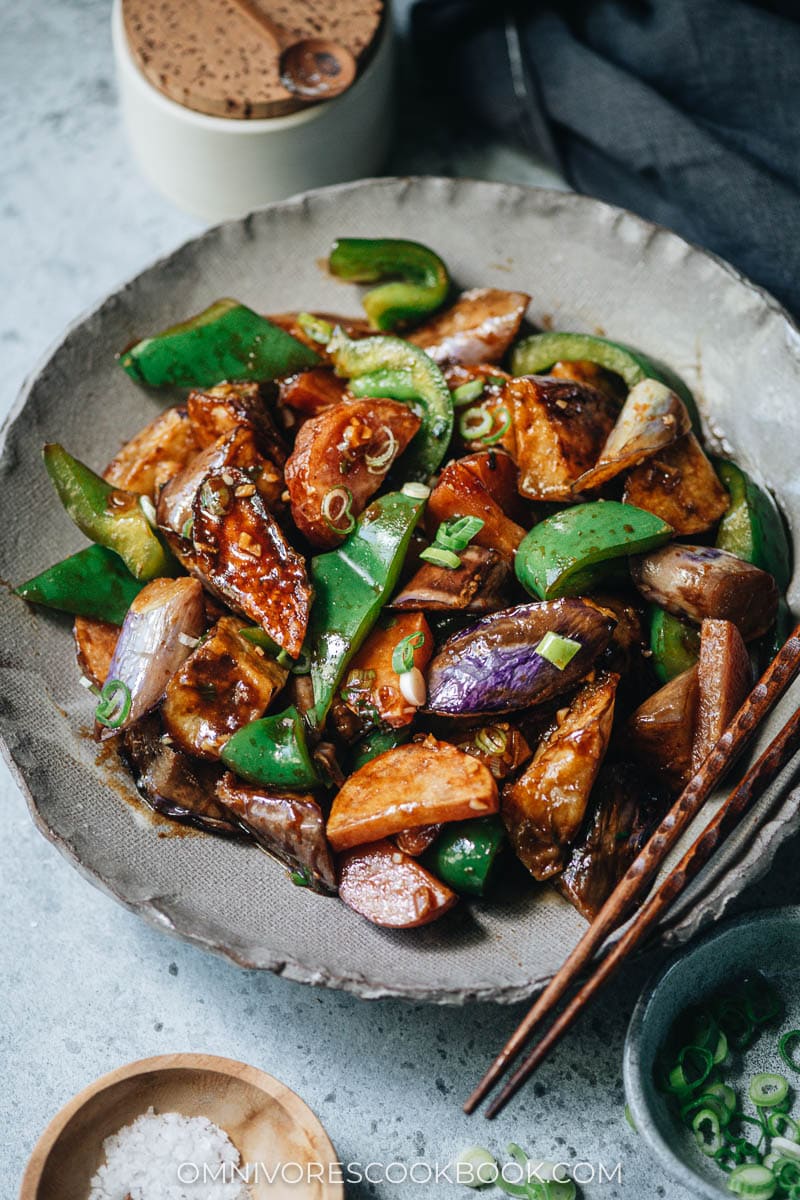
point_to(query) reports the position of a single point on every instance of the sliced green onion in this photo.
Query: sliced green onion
(785, 1048)
(315, 328)
(724, 1095)
(300, 878)
(456, 535)
(476, 1167)
(492, 740)
(468, 392)
(376, 464)
(735, 1023)
(475, 423)
(337, 510)
(403, 653)
(115, 704)
(753, 1181)
(187, 527)
(504, 416)
(767, 1089)
(761, 1001)
(417, 491)
(691, 1070)
(787, 1172)
(440, 557)
(259, 637)
(721, 1051)
(707, 1131)
(558, 650)
(787, 1147)
(629, 1118)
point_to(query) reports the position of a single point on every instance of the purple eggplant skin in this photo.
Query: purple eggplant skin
(493, 667)
(624, 810)
(175, 784)
(288, 825)
(155, 640)
(700, 581)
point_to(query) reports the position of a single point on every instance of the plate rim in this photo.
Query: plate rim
(283, 965)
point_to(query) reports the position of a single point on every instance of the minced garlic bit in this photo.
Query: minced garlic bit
(249, 544)
(245, 489)
(412, 687)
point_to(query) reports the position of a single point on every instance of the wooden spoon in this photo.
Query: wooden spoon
(312, 69)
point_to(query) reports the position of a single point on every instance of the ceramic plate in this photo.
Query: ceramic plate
(587, 266)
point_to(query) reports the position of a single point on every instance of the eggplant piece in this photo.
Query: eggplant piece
(701, 581)
(243, 558)
(560, 428)
(95, 642)
(662, 730)
(390, 888)
(172, 783)
(162, 624)
(544, 809)
(624, 810)
(236, 448)
(462, 491)
(679, 485)
(480, 584)
(340, 459)
(415, 842)
(584, 371)
(309, 393)
(478, 328)
(652, 417)
(422, 783)
(225, 683)
(156, 453)
(217, 411)
(500, 746)
(493, 666)
(288, 825)
(725, 676)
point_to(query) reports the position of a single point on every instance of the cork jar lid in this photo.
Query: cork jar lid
(227, 58)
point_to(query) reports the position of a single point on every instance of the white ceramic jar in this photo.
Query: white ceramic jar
(216, 167)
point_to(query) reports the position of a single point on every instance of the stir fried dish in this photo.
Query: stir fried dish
(406, 598)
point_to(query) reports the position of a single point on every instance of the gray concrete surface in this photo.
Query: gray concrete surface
(84, 986)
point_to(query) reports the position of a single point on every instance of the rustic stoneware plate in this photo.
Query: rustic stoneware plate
(275, 1132)
(768, 942)
(588, 267)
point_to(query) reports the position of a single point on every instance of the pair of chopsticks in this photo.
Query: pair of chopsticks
(634, 884)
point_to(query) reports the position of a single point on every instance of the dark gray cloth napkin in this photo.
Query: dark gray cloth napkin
(685, 111)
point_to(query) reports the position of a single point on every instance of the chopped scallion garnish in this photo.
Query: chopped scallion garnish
(337, 510)
(115, 704)
(558, 650)
(403, 653)
(468, 392)
(440, 557)
(315, 327)
(457, 534)
(785, 1045)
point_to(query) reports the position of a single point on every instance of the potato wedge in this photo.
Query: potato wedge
(339, 461)
(308, 393)
(154, 454)
(583, 371)
(679, 485)
(479, 585)
(478, 328)
(544, 809)
(652, 418)
(241, 555)
(725, 676)
(461, 492)
(662, 729)
(390, 888)
(702, 581)
(371, 687)
(288, 825)
(225, 683)
(560, 428)
(423, 783)
(95, 642)
(228, 406)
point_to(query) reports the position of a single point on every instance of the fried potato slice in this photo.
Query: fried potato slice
(391, 888)
(725, 676)
(95, 642)
(423, 783)
(462, 492)
(679, 485)
(371, 687)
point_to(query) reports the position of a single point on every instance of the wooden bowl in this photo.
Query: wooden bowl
(264, 1119)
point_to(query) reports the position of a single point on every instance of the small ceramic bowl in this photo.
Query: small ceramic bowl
(263, 1118)
(767, 941)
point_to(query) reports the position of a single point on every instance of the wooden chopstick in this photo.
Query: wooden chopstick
(634, 883)
(760, 775)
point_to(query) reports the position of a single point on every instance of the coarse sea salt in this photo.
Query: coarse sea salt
(166, 1156)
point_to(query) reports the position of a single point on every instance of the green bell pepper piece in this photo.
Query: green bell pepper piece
(272, 751)
(386, 385)
(423, 279)
(227, 341)
(378, 741)
(465, 853)
(109, 516)
(535, 355)
(421, 377)
(674, 644)
(92, 583)
(351, 584)
(574, 550)
(752, 528)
